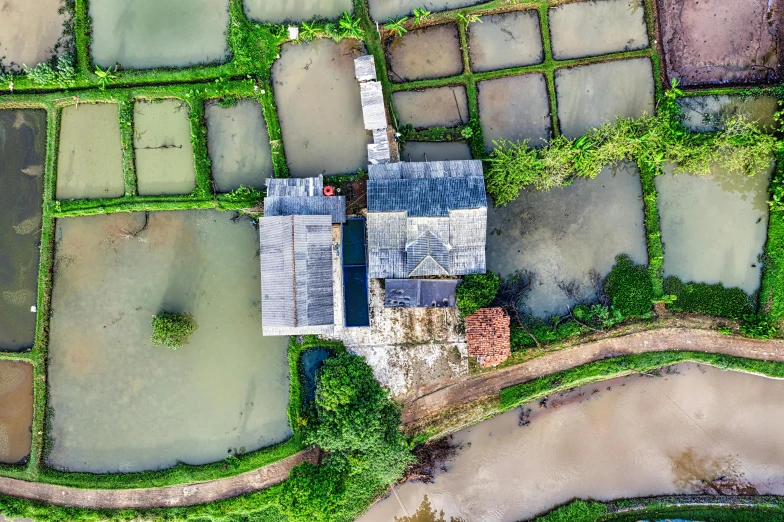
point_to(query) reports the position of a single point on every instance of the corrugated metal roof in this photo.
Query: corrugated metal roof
(378, 153)
(429, 169)
(373, 111)
(425, 197)
(295, 187)
(365, 68)
(296, 271)
(333, 206)
(427, 246)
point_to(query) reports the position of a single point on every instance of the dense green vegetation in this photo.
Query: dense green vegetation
(477, 291)
(629, 288)
(172, 330)
(708, 299)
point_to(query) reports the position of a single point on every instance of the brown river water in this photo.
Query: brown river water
(693, 429)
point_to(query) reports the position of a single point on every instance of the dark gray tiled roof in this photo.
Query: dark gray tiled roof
(426, 197)
(334, 206)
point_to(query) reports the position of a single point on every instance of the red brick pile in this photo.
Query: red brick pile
(487, 334)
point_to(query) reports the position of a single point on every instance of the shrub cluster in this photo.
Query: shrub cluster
(629, 288)
(703, 298)
(172, 330)
(477, 291)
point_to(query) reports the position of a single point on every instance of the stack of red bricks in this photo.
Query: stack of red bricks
(487, 334)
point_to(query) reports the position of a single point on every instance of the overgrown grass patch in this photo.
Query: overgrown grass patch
(703, 298)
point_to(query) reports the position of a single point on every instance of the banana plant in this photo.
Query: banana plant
(105, 77)
(350, 27)
(421, 14)
(308, 31)
(396, 27)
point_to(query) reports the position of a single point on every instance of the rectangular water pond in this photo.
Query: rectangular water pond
(432, 52)
(714, 227)
(382, 9)
(309, 363)
(515, 108)
(239, 145)
(89, 164)
(355, 280)
(149, 33)
(594, 28)
(320, 108)
(22, 156)
(279, 11)
(438, 107)
(434, 151)
(505, 40)
(121, 404)
(16, 410)
(162, 144)
(563, 235)
(31, 30)
(710, 113)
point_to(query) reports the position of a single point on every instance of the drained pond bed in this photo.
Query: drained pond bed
(16, 410)
(122, 404)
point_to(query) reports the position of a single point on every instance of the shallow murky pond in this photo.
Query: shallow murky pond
(505, 40)
(562, 235)
(16, 410)
(320, 109)
(695, 429)
(277, 11)
(121, 404)
(162, 144)
(594, 28)
(593, 94)
(89, 163)
(150, 33)
(22, 156)
(432, 52)
(708, 113)
(441, 106)
(515, 108)
(29, 31)
(432, 151)
(239, 145)
(714, 227)
(382, 9)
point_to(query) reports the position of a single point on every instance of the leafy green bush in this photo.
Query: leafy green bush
(629, 288)
(759, 326)
(777, 194)
(477, 291)
(172, 330)
(314, 493)
(708, 299)
(41, 74)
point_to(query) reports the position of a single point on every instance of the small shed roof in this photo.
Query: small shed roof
(373, 111)
(420, 293)
(332, 206)
(300, 187)
(365, 68)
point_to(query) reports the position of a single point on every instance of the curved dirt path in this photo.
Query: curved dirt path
(472, 388)
(169, 496)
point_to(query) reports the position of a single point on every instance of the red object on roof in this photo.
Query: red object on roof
(487, 335)
(328, 190)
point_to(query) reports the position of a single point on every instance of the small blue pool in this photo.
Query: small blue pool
(355, 275)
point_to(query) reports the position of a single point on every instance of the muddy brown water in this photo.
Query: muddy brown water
(30, 30)
(22, 156)
(594, 28)
(714, 227)
(505, 40)
(694, 429)
(561, 235)
(278, 11)
(441, 106)
(89, 163)
(239, 145)
(515, 108)
(429, 151)
(721, 42)
(16, 410)
(320, 108)
(708, 113)
(381, 10)
(122, 404)
(150, 33)
(593, 94)
(432, 52)
(163, 149)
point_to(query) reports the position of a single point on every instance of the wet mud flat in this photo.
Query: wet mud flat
(714, 227)
(440, 106)
(320, 108)
(148, 33)
(122, 404)
(710, 113)
(432, 151)
(594, 28)
(238, 144)
(31, 31)
(432, 52)
(563, 235)
(162, 146)
(22, 156)
(16, 410)
(722, 42)
(89, 163)
(515, 108)
(505, 40)
(594, 94)
(278, 11)
(667, 432)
